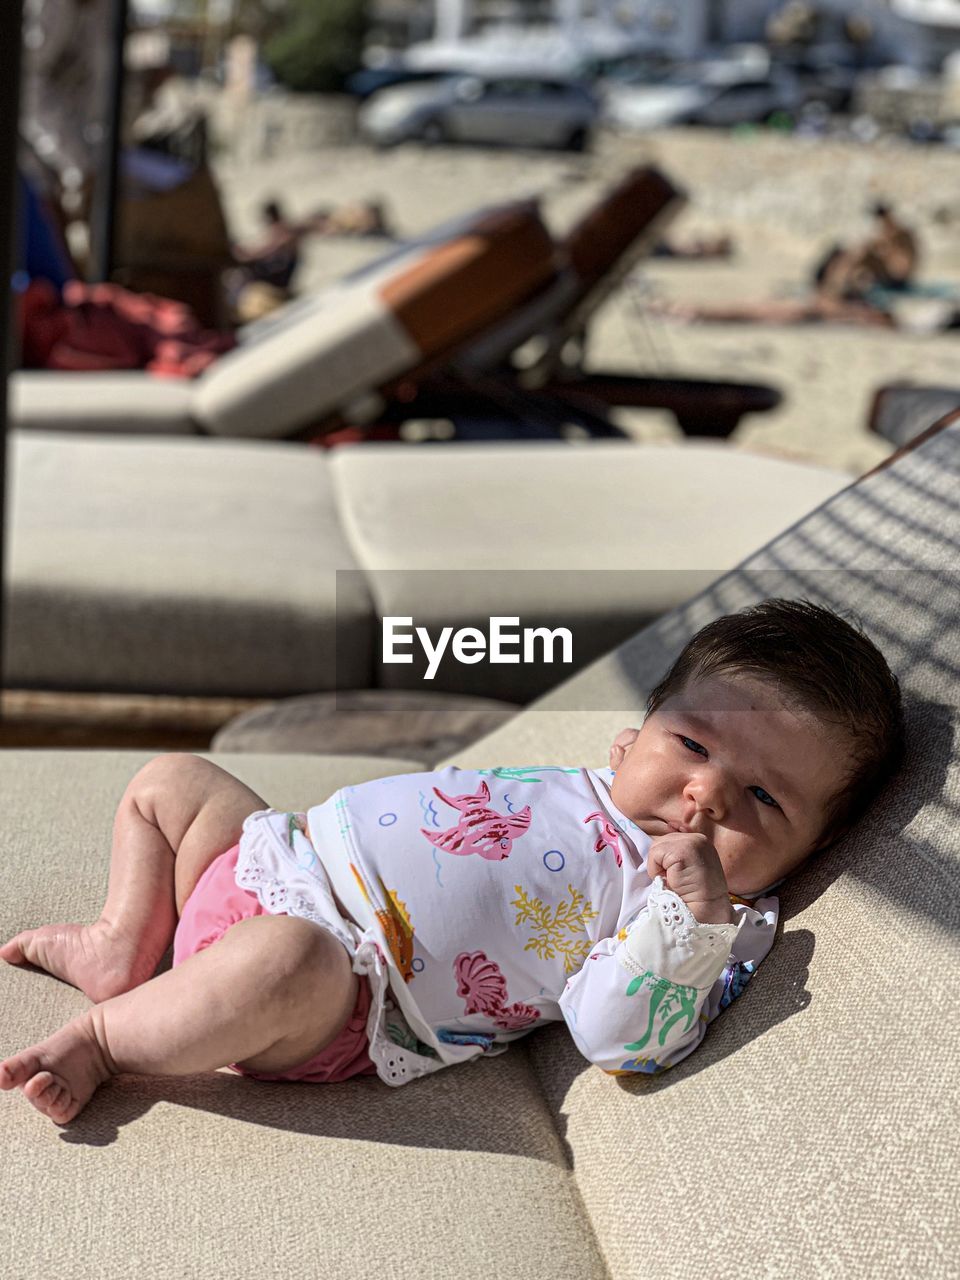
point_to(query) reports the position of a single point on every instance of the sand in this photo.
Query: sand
(782, 199)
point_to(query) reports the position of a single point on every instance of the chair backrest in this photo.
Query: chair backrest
(594, 257)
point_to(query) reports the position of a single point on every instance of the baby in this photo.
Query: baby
(418, 921)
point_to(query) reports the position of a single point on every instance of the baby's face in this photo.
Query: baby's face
(727, 759)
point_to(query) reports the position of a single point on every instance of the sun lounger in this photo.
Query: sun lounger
(325, 356)
(813, 1133)
(210, 568)
(410, 333)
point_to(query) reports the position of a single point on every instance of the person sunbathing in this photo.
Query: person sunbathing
(885, 260)
(273, 257)
(819, 308)
(414, 922)
(848, 285)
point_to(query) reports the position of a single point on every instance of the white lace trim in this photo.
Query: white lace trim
(667, 940)
(395, 1064)
(683, 924)
(260, 849)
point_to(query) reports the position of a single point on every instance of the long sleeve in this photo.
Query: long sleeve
(643, 1000)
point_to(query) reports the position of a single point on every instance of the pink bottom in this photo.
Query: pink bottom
(217, 902)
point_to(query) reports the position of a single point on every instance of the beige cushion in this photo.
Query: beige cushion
(599, 537)
(814, 1132)
(181, 566)
(461, 1176)
(333, 351)
(130, 402)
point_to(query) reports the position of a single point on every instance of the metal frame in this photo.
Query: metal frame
(103, 214)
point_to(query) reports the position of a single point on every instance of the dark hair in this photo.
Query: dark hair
(827, 667)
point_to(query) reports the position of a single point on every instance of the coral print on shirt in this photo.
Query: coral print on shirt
(480, 829)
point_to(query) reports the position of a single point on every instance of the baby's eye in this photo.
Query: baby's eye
(764, 796)
(693, 746)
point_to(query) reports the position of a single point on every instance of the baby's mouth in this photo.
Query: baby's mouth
(654, 826)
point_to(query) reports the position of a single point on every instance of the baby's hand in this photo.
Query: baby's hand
(624, 739)
(691, 867)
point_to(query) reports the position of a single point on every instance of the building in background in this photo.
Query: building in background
(918, 32)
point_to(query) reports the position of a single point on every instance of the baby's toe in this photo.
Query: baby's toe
(12, 1073)
(47, 1093)
(10, 950)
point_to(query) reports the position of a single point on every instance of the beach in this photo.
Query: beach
(783, 200)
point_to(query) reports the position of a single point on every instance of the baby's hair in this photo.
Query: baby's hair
(823, 665)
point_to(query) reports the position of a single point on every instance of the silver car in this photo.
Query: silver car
(523, 111)
(714, 94)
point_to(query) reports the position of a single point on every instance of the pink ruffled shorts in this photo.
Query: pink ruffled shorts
(217, 902)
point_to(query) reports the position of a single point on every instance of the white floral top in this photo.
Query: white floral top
(484, 903)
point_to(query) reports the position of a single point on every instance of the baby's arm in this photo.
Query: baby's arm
(643, 1000)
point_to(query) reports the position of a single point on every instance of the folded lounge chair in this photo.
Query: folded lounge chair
(449, 306)
(813, 1132)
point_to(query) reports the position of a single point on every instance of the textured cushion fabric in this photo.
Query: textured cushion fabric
(600, 538)
(365, 331)
(462, 1176)
(181, 566)
(133, 402)
(814, 1132)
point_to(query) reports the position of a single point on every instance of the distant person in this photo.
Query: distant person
(695, 250)
(272, 258)
(848, 284)
(266, 266)
(818, 308)
(886, 260)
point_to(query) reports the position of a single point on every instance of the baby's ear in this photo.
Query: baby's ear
(620, 745)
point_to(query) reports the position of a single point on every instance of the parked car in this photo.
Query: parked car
(515, 110)
(370, 80)
(709, 95)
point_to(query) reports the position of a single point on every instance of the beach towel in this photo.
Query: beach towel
(100, 327)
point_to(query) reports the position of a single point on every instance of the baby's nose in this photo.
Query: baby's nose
(707, 792)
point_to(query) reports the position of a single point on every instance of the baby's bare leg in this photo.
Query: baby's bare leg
(176, 815)
(270, 994)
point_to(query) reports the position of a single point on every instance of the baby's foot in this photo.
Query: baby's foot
(93, 957)
(60, 1075)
